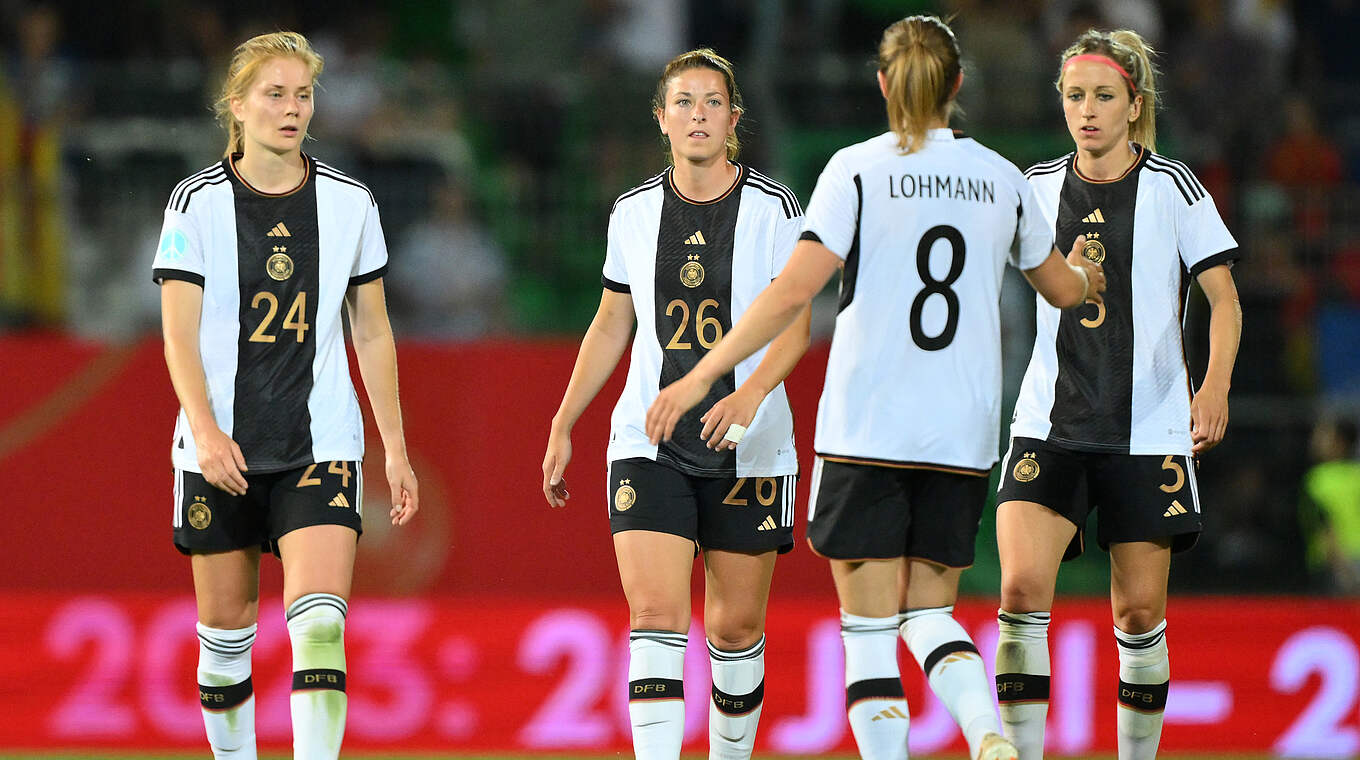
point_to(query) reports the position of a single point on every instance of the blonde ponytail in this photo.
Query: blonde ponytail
(919, 59)
(245, 64)
(1128, 49)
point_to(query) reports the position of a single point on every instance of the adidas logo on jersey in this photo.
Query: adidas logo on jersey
(340, 501)
(1095, 217)
(696, 239)
(768, 524)
(890, 713)
(1174, 510)
(279, 231)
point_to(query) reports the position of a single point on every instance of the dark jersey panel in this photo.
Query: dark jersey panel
(693, 288)
(277, 247)
(1093, 395)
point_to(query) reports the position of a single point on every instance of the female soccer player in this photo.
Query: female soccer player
(688, 251)
(1106, 417)
(258, 255)
(922, 221)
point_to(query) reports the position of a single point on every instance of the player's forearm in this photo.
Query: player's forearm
(377, 358)
(772, 312)
(1225, 332)
(601, 349)
(189, 382)
(783, 355)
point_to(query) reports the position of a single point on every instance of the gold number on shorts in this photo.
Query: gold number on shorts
(295, 320)
(766, 499)
(307, 479)
(1100, 316)
(341, 469)
(732, 499)
(1174, 466)
(704, 327)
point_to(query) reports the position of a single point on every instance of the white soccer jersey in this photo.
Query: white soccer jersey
(274, 269)
(914, 376)
(1114, 378)
(693, 268)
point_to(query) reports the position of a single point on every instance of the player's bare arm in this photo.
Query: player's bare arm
(739, 407)
(219, 458)
(1209, 407)
(376, 351)
(808, 270)
(603, 345)
(1071, 282)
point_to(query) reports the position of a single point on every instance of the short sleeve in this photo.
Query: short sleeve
(371, 263)
(833, 211)
(179, 256)
(1033, 233)
(786, 232)
(1201, 236)
(615, 275)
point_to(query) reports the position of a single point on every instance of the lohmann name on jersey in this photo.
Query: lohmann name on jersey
(934, 186)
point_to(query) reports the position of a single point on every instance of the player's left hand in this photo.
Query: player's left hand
(738, 408)
(401, 479)
(671, 404)
(1208, 418)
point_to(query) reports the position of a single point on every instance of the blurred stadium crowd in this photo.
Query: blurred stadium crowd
(496, 134)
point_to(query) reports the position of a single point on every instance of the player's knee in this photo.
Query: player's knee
(1024, 593)
(230, 616)
(1137, 618)
(656, 618)
(733, 636)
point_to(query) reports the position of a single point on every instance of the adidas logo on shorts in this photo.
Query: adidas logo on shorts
(340, 501)
(768, 524)
(1174, 510)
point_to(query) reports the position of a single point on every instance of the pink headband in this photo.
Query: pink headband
(1106, 60)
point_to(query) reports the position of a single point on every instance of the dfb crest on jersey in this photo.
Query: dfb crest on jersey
(692, 272)
(625, 497)
(173, 245)
(1094, 250)
(1026, 469)
(199, 514)
(279, 266)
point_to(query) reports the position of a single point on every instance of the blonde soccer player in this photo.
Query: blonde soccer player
(259, 254)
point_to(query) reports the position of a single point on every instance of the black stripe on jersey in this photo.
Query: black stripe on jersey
(360, 279)
(1188, 191)
(159, 276)
(339, 176)
(904, 465)
(617, 287)
(684, 315)
(1093, 390)
(1162, 163)
(645, 186)
(271, 416)
(216, 179)
(1223, 257)
(786, 197)
(1047, 167)
(177, 194)
(851, 269)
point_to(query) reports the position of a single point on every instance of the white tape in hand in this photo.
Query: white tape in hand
(734, 433)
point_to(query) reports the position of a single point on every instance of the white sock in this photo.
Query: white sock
(954, 669)
(225, 690)
(1144, 678)
(874, 700)
(1022, 678)
(738, 693)
(316, 628)
(656, 693)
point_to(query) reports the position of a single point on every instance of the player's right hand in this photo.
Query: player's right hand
(1095, 273)
(221, 461)
(554, 464)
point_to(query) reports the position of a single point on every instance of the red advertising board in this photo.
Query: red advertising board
(493, 674)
